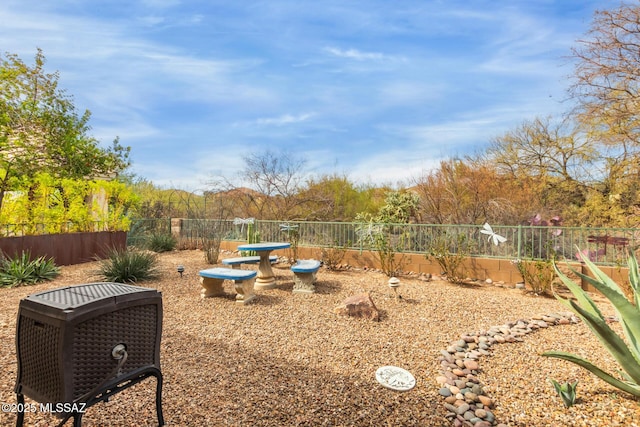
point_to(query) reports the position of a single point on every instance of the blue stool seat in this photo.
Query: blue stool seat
(304, 278)
(306, 266)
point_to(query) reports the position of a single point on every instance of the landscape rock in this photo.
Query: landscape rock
(360, 306)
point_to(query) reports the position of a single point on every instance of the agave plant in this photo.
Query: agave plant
(567, 391)
(627, 356)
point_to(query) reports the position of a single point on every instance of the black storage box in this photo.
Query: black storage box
(67, 341)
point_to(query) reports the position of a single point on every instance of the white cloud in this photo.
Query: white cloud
(410, 92)
(380, 91)
(395, 166)
(151, 20)
(355, 54)
(285, 119)
(161, 4)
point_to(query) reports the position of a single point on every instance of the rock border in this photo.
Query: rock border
(465, 400)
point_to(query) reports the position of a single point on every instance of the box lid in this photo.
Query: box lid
(74, 300)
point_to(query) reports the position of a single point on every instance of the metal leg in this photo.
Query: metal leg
(159, 398)
(104, 393)
(20, 414)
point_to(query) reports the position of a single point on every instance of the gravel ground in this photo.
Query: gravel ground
(288, 360)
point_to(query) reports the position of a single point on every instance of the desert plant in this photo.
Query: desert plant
(162, 242)
(627, 355)
(389, 251)
(45, 269)
(209, 236)
(23, 270)
(293, 237)
(128, 265)
(450, 253)
(566, 391)
(253, 236)
(537, 273)
(386, 246)
(333, 255)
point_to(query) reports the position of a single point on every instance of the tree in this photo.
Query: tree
(277, 179)
(41, 131)
(380, 233)
(543, 148)
(606, 76)
(557, 157)
(335, 198)
(606, 85)
(467, 192)
(52, 205)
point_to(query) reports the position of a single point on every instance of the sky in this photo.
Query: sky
(378, 91)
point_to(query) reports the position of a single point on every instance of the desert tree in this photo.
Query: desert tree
(276, 179)
(464, 191)
(41, 131)
(606, 78)
(606, 86)
(556, 157)
(334, 197)
(543, 147)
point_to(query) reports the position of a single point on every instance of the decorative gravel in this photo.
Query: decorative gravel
(287, 360)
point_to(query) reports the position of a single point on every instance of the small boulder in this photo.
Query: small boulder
(361, 306)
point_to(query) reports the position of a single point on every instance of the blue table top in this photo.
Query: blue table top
(228, 274)
(264, 246)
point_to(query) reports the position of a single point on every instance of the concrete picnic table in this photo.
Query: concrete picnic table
(265, 279)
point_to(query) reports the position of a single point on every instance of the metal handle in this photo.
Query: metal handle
(119, 351)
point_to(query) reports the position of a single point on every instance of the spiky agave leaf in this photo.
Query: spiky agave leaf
(629, 387)
(626, 355)
(611, 341)
(628, 314)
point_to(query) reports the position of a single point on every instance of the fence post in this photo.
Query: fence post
(519, 241)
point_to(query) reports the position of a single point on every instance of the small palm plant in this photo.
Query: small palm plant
(627, 356)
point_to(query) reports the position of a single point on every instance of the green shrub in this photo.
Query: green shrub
(23, 270)
(162, 242)
(333, 255)
(384, 241)
(450, 252)
(124, 265)
(538, 274)
(625, 351)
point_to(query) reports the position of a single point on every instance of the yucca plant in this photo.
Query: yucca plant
(23, 270)
(128, 265)
(45, 269)
(162, 242)
(566, 391)
(627, 356)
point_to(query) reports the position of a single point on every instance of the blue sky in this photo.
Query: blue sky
(378, 90)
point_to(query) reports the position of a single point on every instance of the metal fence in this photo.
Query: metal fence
(603, 245)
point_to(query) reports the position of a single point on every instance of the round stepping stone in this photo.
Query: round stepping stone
(395, 378)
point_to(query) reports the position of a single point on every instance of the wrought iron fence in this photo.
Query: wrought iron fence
(602, 245)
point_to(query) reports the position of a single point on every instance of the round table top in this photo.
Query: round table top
(264, 246)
